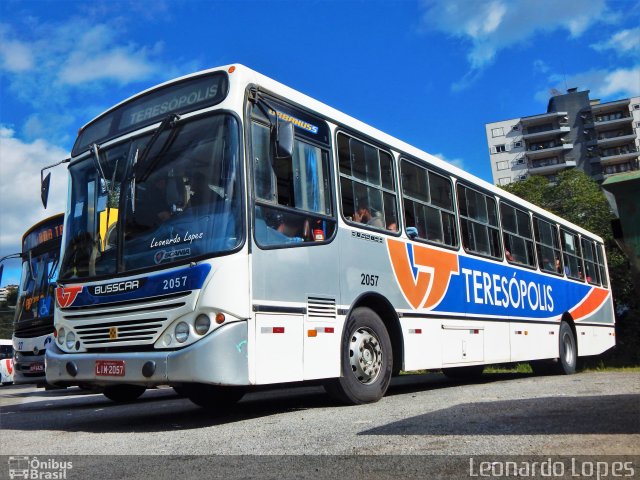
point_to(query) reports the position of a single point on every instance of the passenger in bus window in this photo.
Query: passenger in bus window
(558, 266)
(393, 225)
(364, 215)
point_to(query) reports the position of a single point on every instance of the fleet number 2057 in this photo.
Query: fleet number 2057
(172, 283)
(369, 280)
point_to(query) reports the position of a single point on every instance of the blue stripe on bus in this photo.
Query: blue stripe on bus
(190, 278)
(486, 288)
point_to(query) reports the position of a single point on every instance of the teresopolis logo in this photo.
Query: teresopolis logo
(422, 273)
(65, 296)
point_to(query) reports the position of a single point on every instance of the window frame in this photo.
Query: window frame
(428, 169)
(534, 257)
(255, 201)
(537, 242)
(602, 265)
(577, 255)
(462, 218)
(592, 245)
(339, 176)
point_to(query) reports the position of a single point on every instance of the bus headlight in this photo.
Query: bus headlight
(61, 334)
(202, 324)
(71, 340)
(182, 332)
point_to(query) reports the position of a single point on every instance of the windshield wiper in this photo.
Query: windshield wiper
(170, 122)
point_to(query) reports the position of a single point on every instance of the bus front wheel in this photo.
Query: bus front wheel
(366, 360)
(123, 393)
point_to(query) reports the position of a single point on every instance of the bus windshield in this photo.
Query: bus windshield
(152, 201)
(39, 273)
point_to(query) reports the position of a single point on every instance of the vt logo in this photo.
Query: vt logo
(422, 272)
(67, 295)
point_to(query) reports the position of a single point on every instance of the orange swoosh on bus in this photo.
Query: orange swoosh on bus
(592, 302)
(416, 281)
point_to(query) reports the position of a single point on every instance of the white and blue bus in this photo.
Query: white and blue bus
(225, 231)
(33, 322)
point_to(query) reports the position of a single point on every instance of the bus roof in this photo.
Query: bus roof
(246, 76)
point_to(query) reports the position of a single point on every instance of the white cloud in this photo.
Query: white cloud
(626, 42)
(16, 56)
(65, 67)
(20, 165)
(492, 26)
(456, 162)
(602, 83)
(117, 65)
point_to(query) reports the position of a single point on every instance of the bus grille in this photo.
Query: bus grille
(130, 325)
(132, 331)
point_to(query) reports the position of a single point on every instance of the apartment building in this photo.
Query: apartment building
(602, 139)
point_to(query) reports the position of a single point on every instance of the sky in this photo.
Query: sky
(430, 72)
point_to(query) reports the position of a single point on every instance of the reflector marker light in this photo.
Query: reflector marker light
(474, 332)
(272, 330)
(417, 331)
(317, 330)
(521, 332)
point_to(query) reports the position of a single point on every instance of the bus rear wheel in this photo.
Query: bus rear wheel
(123, 393)
(366, 360)
(212, 397)
(568, 350)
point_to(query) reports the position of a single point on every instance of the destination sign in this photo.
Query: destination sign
(42, 234)
(193, 94)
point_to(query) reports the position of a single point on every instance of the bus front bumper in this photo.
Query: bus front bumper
(220, 359)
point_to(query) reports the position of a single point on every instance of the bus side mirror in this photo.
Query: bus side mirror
(44, 189)
(284, 139)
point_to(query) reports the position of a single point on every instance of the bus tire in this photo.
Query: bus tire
(123, 393)
(366, 360)
(212, 397)
(471, 372)
(568, 350)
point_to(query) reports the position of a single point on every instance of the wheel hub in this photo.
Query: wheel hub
(365, 355)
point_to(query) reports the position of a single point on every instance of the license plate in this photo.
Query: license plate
(36, 367)
(110, 368)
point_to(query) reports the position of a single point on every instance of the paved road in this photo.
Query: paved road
(504, 414)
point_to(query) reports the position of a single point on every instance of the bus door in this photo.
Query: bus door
(294, 261)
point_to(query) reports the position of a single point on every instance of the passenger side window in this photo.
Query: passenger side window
(479, 223)
(591, 271)
(547, 246)
(428, 204)
(292, 195)
(367, 184)
(602, 265)
(517, 236)
(571, 255)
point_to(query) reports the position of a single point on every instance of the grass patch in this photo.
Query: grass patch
(509, 368)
